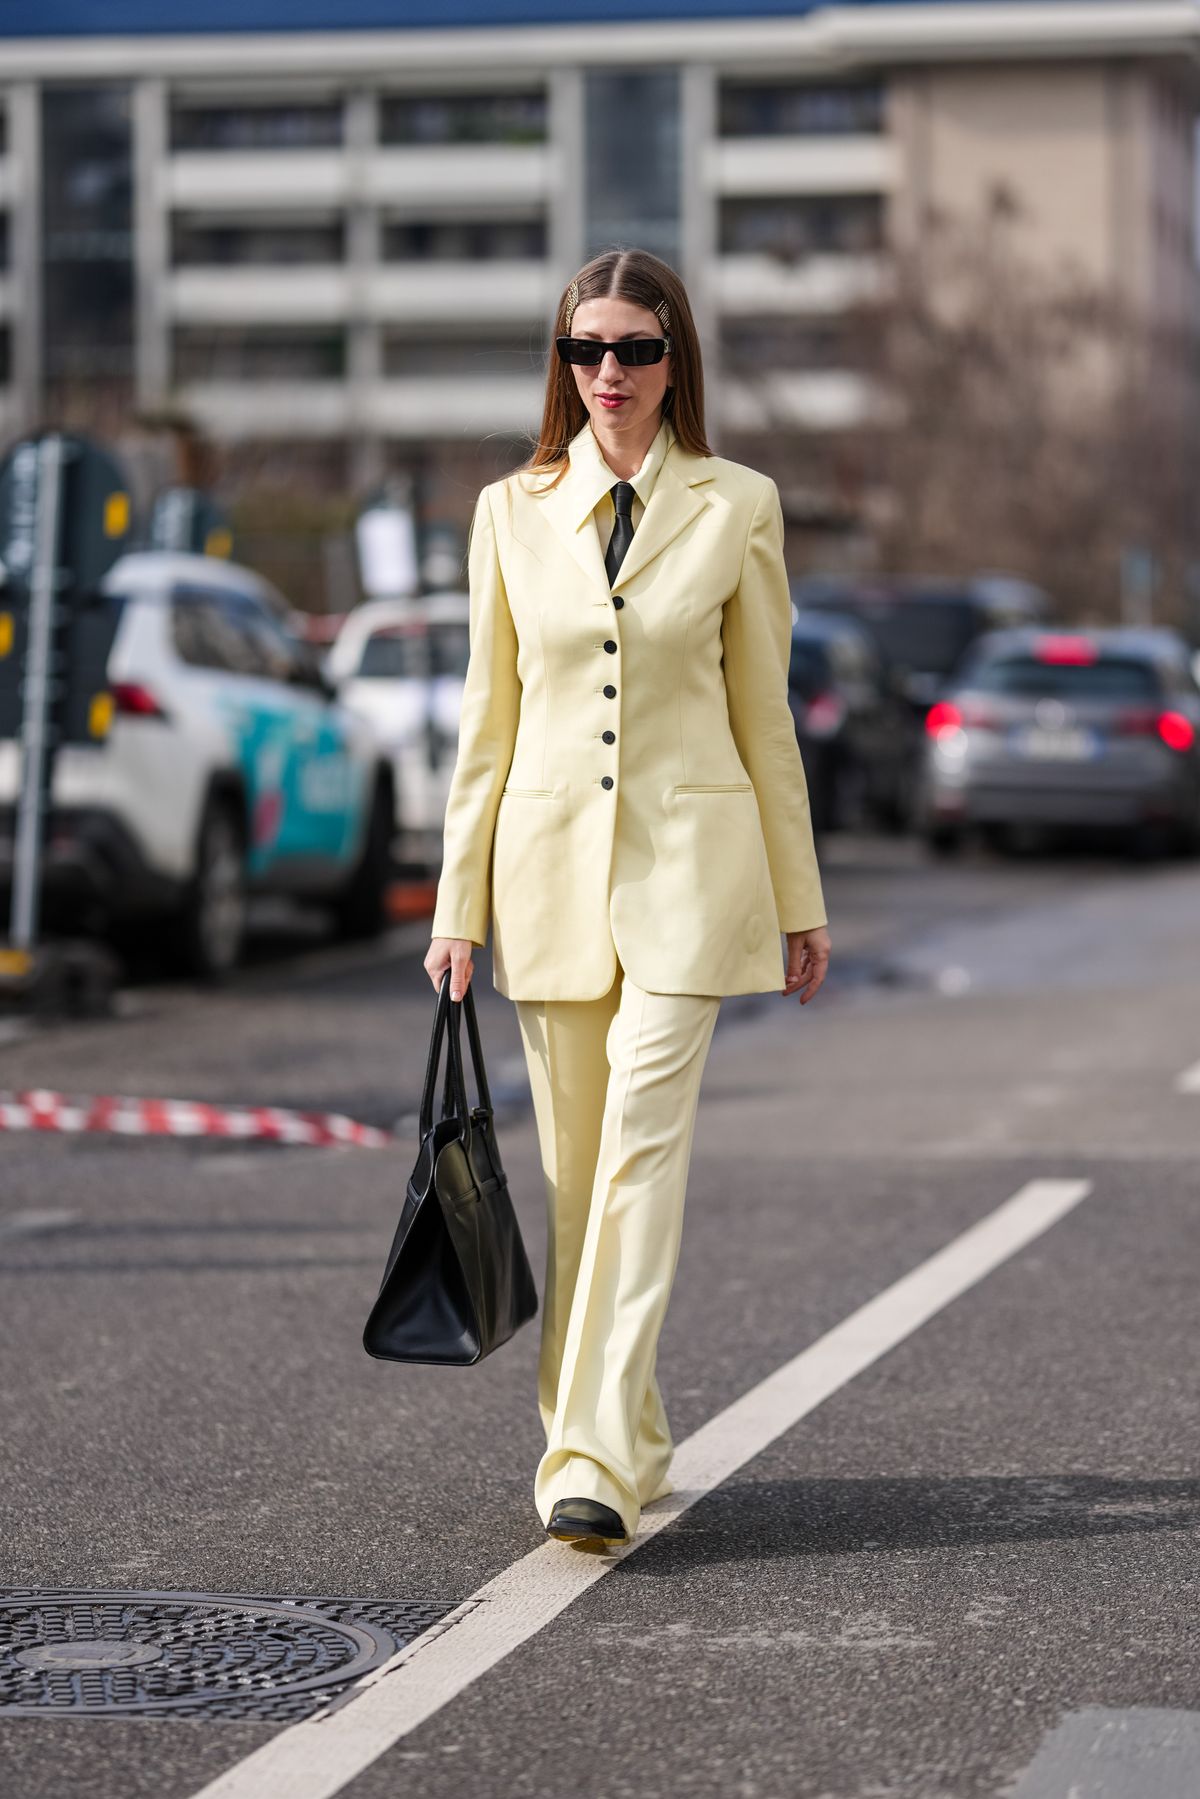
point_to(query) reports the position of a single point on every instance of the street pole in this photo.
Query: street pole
(36, 745)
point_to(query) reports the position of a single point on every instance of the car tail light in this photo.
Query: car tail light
(943, 716)
(1059, 646)
(1176, 731)
(135, 701)
(824, 714)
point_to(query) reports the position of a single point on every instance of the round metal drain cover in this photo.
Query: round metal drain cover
(136, 1653)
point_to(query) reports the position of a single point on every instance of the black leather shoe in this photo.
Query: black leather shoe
(576, 1520)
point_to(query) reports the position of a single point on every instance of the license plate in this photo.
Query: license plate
(1073, 744)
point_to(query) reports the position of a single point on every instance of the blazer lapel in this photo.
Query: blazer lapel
(674, 503)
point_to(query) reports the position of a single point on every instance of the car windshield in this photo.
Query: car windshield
(449, 648)
(392, 656)
(808, 671)
(925, 633)
(1108, 678)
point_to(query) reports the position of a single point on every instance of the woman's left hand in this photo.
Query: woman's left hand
(807, 962)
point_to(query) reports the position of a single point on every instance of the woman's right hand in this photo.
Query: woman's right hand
(453, 953)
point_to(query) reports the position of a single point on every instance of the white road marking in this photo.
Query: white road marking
(1189, 1080)
(317, 1758)
(1142, 1753)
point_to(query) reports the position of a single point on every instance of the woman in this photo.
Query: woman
(629, 806)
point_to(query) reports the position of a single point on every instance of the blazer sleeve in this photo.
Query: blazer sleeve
(486, 736)
(756, 634)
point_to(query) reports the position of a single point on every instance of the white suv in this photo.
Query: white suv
(221, 764)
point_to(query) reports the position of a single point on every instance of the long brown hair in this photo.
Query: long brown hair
(644, 279)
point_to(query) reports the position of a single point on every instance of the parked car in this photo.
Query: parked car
(401, 665)
(924, 628)
(1095, 727)
(222, 765)
(859, 741)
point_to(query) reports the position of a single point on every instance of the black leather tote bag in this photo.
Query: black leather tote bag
(458, 1281)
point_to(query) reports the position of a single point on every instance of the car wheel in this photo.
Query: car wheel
(212, 923)
(361, 910)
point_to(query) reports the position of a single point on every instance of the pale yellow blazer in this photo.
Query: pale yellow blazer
(684, 844)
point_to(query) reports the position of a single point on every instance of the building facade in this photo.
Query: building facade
(345, 241)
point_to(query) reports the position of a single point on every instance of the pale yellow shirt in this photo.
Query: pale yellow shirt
(604, 512)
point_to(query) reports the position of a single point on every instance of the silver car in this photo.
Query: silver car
(1062, 727)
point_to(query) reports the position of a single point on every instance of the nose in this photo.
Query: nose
(610, 368)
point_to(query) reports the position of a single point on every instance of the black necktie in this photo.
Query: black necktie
(622, 535)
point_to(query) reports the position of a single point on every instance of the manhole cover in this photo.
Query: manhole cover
(112, 1654)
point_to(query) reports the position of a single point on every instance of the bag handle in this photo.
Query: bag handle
(433, 1059)
(455, 1102)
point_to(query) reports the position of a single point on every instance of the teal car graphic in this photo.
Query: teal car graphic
(306, 794)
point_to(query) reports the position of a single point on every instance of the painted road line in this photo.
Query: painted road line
(1189, 1080)
(1142, 1753)
(317, 1758)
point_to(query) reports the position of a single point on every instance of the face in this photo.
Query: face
(640, 389)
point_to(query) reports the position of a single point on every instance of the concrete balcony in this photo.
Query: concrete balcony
(309, 295)
(409, 178)
(816, 284)
(802, 165)
(812, 400)
(416, 176)
(418, 408)
(433, 406)
(235, 410)
(480, 292)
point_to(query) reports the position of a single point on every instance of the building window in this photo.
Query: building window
(463, 118)
(632, 160)
(519, 352)
(87, 240)
(464, 240)
(258, 353)
(277, 125)
(792, 109)
(781, 345)
(791, 227)
(255, 242)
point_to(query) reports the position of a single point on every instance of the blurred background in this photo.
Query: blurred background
(294, 265)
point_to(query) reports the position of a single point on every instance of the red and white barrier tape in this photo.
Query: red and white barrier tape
(40, 1110)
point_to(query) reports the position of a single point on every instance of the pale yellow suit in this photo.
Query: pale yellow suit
(629, 809)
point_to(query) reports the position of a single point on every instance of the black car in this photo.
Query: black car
(924, 628)
(860, 742)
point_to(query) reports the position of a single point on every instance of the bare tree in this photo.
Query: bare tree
(1037, 424)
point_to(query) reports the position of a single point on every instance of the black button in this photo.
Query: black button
(606, 781)
(610, 693)
(609, 645)
(609, 736)
(618, 601)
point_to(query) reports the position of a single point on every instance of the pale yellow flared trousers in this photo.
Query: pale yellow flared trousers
(615, 1082)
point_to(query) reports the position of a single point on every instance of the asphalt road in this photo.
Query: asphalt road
(969, 1572)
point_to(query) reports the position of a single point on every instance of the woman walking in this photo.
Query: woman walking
(629, 808)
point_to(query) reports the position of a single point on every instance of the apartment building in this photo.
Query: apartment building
(344, 242)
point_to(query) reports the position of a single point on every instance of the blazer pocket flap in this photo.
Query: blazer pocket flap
(713, 787)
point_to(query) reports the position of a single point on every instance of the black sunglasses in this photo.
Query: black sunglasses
(631, 352)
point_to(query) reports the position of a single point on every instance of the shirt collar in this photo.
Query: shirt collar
(593, 478)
